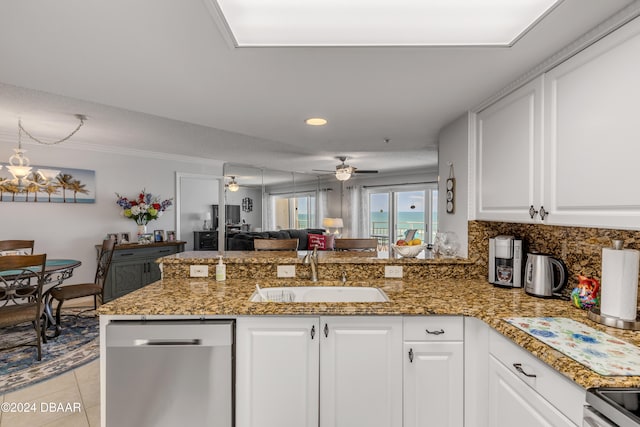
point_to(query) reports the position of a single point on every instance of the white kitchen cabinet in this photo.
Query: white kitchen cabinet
(509, 134)
(433, 372)
(277, 371)
(565, 144)
(524, 391)
(327, 371)
(361, 371)
(592, 133)
(514, 403)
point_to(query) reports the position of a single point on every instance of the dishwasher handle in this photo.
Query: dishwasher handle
(181, 342)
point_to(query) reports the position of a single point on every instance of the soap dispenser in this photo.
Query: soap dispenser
(221, 270)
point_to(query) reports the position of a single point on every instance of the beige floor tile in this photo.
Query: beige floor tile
(93, 413)
(73, 420)
(54, 385)
(89, 372)
(43, 413)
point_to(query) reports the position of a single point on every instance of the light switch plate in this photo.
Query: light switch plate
(393, 271)
(286, 271)
(199, 270)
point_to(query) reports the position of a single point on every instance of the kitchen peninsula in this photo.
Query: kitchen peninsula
(447, 290)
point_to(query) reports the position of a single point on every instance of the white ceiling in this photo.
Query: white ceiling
(162, 76)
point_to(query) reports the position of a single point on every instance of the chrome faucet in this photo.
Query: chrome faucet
(312, 260)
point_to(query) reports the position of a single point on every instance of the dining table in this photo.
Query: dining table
(56, 271)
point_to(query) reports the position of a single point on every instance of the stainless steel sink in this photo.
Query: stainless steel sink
(320, 294)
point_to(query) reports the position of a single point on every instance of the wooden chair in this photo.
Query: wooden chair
(95, 289)
(356, 244)
(20, 301)
(25, 246)
(275, 244)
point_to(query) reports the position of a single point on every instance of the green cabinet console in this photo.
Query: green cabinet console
(134, 266)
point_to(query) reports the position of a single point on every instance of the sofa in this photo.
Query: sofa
(243, 240)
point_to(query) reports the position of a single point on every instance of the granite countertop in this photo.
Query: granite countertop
(468, 297)
(295, 257)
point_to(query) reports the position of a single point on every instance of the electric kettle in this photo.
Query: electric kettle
(544, 275)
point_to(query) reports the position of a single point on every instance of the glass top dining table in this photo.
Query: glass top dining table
(56, 271)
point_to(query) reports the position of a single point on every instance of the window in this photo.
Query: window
(294, 212)
(403, 211)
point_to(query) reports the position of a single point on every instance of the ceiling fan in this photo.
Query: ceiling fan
(343, 171)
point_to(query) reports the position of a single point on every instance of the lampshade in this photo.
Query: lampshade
(332, 223)
(48, 174)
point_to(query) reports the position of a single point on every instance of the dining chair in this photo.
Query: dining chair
(275, 244)
(25, 247)
(20, 300)
(63, 293)
(364, 244)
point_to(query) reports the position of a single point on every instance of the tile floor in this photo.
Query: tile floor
(54, 400)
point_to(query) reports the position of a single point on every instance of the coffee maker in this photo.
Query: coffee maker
(505, 261)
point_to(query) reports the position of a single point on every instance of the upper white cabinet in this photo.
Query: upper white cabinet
(567, 143)
(509, 136)
(592, 134)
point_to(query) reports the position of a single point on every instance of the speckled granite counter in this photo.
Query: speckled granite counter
(364, 265)
(468, 297)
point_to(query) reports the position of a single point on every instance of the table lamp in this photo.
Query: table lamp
(333, 223)
(207, 221)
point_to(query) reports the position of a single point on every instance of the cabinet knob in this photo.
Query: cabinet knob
(326, 330)
(532, 212)
(313, 331)
(410, 355)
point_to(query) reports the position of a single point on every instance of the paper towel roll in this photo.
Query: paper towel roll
(619, 292)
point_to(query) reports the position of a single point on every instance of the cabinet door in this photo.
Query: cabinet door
(361, 372)
(514, 403)
(127, 276)
(509, 135)
(433, 384)
(592, 134)
(277, 372)
(153, 272)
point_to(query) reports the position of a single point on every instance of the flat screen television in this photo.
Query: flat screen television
(231, 213)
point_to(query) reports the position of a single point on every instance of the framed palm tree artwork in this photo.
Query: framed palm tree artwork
(67, 186)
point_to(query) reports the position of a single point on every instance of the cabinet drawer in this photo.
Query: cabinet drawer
(150, 253)
(433, 328)
(563, 393)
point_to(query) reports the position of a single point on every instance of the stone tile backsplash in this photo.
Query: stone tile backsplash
(579, 247)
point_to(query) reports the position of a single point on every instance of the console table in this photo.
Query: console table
(133, 266)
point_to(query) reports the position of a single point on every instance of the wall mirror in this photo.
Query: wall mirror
(195, 196)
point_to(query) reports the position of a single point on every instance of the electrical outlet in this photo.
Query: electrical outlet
(199, 270)
(286, 271)
(393, 271)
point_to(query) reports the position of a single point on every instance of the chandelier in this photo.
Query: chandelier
(19, 164)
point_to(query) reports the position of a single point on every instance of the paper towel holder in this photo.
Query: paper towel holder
(614, 322)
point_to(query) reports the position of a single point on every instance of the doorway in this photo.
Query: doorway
(402, 213)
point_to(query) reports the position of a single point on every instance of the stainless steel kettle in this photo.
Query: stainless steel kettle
(544, 275)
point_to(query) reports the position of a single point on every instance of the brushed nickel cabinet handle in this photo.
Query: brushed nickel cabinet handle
(532, 212)
(410, 355)
(440, 332)
(543, 213)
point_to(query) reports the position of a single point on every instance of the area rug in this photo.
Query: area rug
(77, 345)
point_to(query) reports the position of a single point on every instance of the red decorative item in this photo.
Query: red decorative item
(323, 242)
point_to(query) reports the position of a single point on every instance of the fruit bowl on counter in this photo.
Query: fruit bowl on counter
(409, 251)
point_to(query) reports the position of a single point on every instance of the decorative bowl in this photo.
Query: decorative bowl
(408, 251)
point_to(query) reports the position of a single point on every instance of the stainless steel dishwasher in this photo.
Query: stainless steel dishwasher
(170, 373)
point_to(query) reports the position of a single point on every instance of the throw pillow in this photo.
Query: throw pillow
(322, 242)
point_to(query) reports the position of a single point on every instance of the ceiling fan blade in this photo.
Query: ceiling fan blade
(322, 170)
(364, 171)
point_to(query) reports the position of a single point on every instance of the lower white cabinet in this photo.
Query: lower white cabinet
(433, 372)
(524, 391)
(326, 371)
(514, 403)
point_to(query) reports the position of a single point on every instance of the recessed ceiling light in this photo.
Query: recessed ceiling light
(316, 121)
(380, 22)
